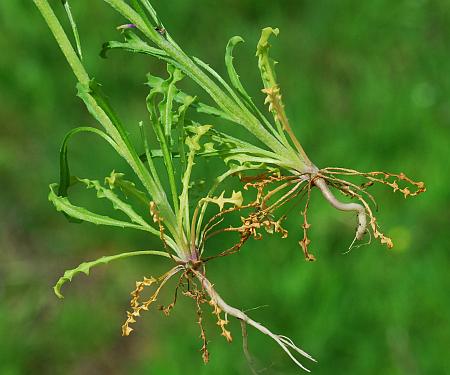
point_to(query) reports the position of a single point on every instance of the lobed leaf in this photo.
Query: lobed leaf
(193, 143)
(236, 82)
(117, 203)
(85, 267)
(181, 132)
(134, 44)
(64, 205)
(265, 63)
(74, 27)
(162, 121)
(116, 180)
(180, 97)
(234, 77)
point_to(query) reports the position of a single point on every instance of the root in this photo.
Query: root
(285, 343)
(373, 221)
(137, 307)
(395, 181)
(247, 354)
(385, 178)
(167, 309)
(358, 208)
(339, 183)
(304, 243)
(204, 348)
(198, 296)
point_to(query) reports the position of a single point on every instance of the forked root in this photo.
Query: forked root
(284, 342)
(356, 207)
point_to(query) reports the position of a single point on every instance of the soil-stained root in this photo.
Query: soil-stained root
(358, 208)
(284, 342)
(328, 177)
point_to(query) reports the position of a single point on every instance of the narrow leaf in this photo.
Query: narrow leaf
(234, 77)
(116, 180)
(117, 203)
(265, 63)
(181, 133)
(148, 157)
(175, 75)
(132, 43)
(193, 143)
(64, 205)
(64, 170)
(85, 267)
(236, 82)
(74, 27)
(164, 142)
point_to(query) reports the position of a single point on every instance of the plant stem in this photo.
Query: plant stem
(63, 41)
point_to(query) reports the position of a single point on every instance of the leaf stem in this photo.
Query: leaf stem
(63, 41)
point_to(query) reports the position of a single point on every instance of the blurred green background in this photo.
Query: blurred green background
(366, 85)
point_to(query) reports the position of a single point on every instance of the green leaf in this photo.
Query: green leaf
(64, 205)
(137, 7)
(231, 148)
(266, 66)
(117, 203)
(151, 11)
(74, 27)
(116, 180)
(236, 82)
(148, 157)
(234, 77)
(209, 110)
(267, 69)
(181, 133)
(162, 123)
(64, 170)
(175, 75)
(227, 87)
(265, 63)
(85, 267)
(193, 143)
(134, 44)
(99, 107)
(158, 83)
(65, 179)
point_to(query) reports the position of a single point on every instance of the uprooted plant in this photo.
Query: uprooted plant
(182, 222)
(279, 173)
